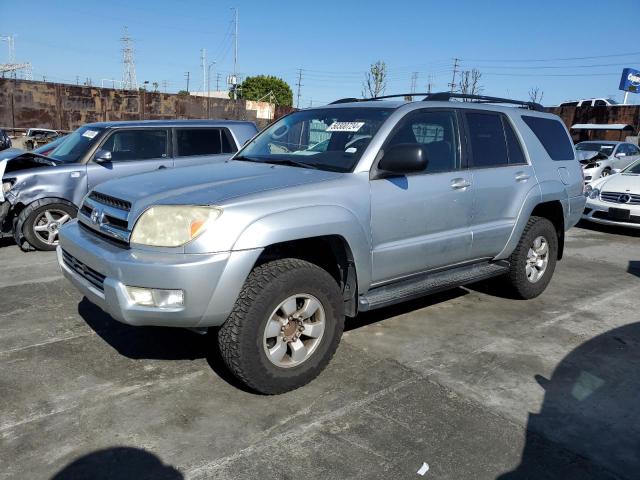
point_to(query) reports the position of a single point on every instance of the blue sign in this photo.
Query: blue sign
(630, 81)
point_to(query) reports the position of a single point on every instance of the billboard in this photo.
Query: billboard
(630, 80)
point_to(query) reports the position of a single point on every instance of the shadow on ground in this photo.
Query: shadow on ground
(118, 462)
(590, 408)
(6, 242)
(612, 229)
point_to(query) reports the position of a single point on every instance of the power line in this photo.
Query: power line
(553, 59)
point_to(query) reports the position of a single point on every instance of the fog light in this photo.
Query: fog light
(154, 297)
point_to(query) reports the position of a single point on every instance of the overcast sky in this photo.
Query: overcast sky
(569, 49)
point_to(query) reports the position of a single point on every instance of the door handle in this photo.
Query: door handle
(459, 183)
(522, 176)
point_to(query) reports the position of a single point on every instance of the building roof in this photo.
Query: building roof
(601, 126)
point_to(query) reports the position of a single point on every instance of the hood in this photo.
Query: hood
(209, 184)
(620, 182)
(588, 156)
(14, 159)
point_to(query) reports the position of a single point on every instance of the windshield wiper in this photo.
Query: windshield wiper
(277, 161)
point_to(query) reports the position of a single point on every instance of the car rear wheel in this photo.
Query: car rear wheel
(534, 260)
(285, 326)
(42, 220)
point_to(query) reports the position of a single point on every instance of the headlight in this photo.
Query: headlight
(593, 193)
(172, 226)
(6, 186)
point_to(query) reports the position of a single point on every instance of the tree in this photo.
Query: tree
(375, 80)
(155, 86)
(470, 82)
(266, 88)
(183, 93)
(536, 95)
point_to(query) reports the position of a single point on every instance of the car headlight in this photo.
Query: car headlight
(173, 225)
(6, 186)
(593, 193)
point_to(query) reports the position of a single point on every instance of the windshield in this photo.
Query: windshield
(76, 144)
(605, 148)
(328, 139)
(634, 168)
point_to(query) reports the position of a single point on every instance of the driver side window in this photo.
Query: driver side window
(126, 145)
(437, 132)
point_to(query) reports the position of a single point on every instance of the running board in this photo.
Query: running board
(429, 283)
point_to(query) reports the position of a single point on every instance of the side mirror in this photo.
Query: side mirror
(403, 158)
(102, 156)
(620, 155)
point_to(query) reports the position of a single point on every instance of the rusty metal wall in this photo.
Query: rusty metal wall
(26, 104)
(627, 114)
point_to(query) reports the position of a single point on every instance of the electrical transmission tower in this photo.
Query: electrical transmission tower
(203, 65)
(414, 80)
(12, 66)
(299, 84)
(129, 81)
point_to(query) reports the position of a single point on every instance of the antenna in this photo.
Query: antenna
(129, 81)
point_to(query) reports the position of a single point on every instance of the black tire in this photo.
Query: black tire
(28, 216)
(241, 339)
(516, 279)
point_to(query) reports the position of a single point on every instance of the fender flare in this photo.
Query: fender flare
(309, 222)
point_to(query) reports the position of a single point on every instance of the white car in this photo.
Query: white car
(602, 158)
(590, 102)
(615, 200)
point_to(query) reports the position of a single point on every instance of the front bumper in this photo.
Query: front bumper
(597, 211)
(101, 271)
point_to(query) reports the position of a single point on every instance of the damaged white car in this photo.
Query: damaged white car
(602, 158)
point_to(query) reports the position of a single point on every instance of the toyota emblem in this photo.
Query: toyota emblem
(97, 216)
(624, 198)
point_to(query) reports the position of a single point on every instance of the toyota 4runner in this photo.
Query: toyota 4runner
(330, 212)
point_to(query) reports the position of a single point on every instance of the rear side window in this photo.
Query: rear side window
(552, 135)
(199, 141)
(516, 155)
(127, 145)
(487, 140)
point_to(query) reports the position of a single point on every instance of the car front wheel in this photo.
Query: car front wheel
(42, 220)
(285, 326)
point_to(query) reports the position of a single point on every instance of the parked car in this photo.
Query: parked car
(601, 158)
(276, 248)
(40, 193)
(5, 141)
(590, 102)
(36, 137)
(47, 148)
(615, 200)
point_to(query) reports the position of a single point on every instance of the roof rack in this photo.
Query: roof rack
(445, 97)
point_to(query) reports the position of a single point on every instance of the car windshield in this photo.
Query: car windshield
(75, 144)
(633, 169)
(327, 139)
(605, 148)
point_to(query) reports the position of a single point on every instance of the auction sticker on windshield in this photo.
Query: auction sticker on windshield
(345, 126)
(90, 133)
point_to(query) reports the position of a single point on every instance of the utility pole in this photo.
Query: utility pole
(186, 75)
(203, 65)
(164, 86)
(77, 79)
(430, 83)
(235, 55)
(299, 84)
(217, 82)
(452, 85)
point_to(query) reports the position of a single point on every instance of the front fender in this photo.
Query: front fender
(309, 222)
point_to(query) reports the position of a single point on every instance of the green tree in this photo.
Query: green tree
(375, 80)
(266, 88)
(183, 93)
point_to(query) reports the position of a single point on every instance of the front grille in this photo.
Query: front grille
(614, 197)
(109, 238)
(111, 201)
(605, 216)
(89, 274)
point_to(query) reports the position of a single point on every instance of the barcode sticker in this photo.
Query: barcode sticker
(345, 126)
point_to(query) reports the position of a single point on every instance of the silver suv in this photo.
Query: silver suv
(329, 212)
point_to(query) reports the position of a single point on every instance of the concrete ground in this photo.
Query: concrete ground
(475, 385)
